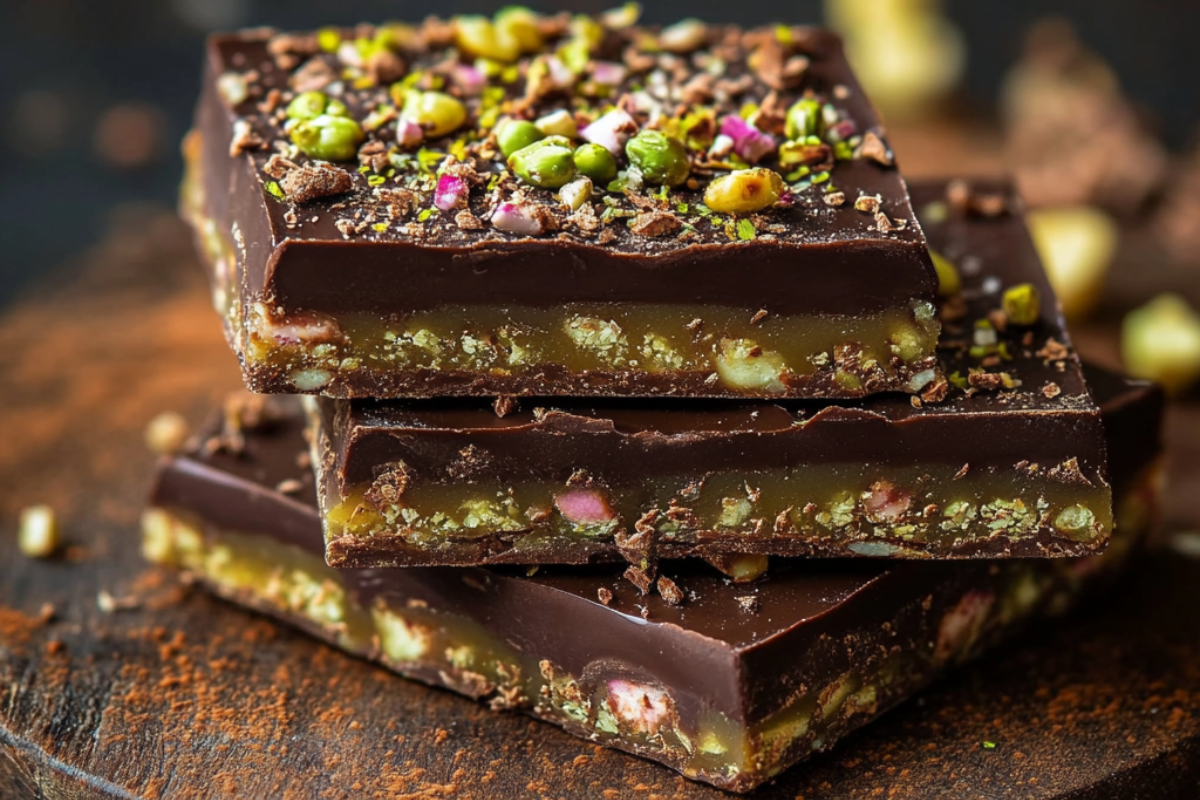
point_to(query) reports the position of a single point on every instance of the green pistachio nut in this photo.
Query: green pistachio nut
(476, 36)
(595, 162)
(744, 191)
(307, 105)
(661, 159)
(803, 119)
(1022, 304)
(949, 284)
(548, 163)
(437, 112)
(516, 134)
(520, 25)
(328, 138)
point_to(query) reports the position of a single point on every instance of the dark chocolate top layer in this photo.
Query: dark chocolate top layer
(366, 250)
(1048, 418)
(702, 645)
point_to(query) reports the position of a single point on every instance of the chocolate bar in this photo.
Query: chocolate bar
(727, 683)
(696, 211)
(1004, 457)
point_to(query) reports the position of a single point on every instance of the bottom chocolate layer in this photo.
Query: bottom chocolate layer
(714, 687)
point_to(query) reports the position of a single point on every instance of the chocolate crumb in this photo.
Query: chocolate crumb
(759, 316)
(468, 221)
(670, 591)
(1053, 351)
(1051, 390)
(638, 577)
(605, 596)
(656, 223)
(315, 180)
(986, 381)
(504, 405)
(962, 473)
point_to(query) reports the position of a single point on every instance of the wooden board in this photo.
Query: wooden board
(182, 696)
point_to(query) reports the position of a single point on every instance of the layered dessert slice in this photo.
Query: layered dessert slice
(590, 208)
(728, 683)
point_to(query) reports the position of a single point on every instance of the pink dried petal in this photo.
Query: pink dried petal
(643, 708)
(886, 503)
(609, 73)
(470, 80)
(409, 133)
(585, 507)
(516, 218)
(610, 131)
(748, 141)
(962, 625)
(841, 131)
(451, 192)
(305, 327)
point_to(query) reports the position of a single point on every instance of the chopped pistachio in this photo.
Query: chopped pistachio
(436, 112)
(1161, 341)
(661, 159)
(1022, 304)
(548, 163)
(744, 191)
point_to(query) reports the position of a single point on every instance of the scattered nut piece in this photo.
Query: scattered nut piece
(109, 604)
(670, 591)
(868, 204)
(875, 149)
(315, 180)
(656, 223)
(835, 199)
(1051, 390)
(37, 536)
(244, 139)
(759, 316)
(638, 577)
(605, 596)
(289, 486)
(166, 433)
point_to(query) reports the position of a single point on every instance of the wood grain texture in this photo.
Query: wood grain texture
(183, 696)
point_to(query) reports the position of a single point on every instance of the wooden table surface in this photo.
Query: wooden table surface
(179, 695)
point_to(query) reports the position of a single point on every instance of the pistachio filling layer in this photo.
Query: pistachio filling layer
(459, 653)
(768, 356)
(852, 506)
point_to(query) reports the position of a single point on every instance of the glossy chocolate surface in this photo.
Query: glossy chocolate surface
(822, 260)
(710, 647)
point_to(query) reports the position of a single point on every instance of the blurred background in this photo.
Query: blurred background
(1092, 106)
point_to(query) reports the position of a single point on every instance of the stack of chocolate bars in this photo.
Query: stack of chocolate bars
(636, 399)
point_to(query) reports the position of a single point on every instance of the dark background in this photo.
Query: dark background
(70, 70)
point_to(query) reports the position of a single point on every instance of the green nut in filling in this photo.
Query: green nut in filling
(661, 159)
(548, 163)
(328, 138)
